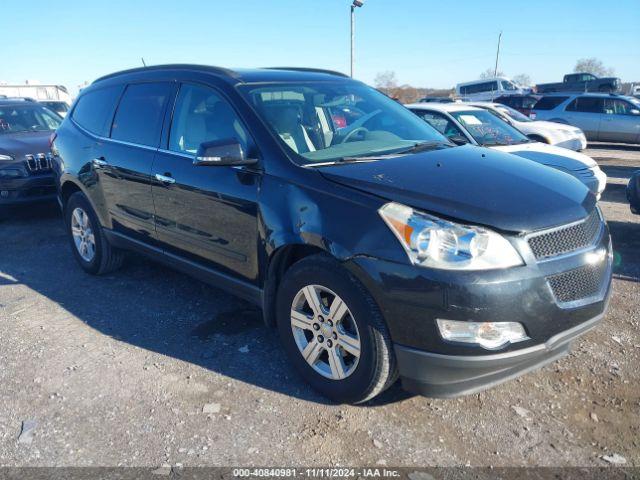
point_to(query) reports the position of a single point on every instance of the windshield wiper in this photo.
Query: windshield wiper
(424, 146)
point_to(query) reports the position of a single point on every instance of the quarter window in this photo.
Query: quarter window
(94, 109)
(140, 113)
(201, 115)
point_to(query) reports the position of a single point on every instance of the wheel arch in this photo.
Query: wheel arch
(280, 260)
(68, 188)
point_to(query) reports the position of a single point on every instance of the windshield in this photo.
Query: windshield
(489, 130)
(514, 114)
(328, 121)
(27, 118)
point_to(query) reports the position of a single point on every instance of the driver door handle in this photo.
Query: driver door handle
(165, 179)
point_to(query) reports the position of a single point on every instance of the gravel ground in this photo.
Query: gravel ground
(147, 366)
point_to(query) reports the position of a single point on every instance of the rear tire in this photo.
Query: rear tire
(345, 375)
(88, 243)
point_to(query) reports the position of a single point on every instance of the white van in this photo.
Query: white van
(487, 89)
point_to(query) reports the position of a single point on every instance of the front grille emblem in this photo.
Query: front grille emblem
(38, 162)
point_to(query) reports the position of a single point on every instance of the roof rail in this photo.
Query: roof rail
(177, 66)
(306, 69)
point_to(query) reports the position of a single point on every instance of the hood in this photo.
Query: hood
(550, 155)
(20, 144)
(474, 185)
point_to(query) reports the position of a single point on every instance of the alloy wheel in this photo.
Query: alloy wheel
(83, 236)
(325, 332)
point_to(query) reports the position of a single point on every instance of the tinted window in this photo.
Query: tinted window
(140, 112)
(94, 109)
(549, 103)
(510, 101)
(478, 88)
(586, 104)
(200, 116)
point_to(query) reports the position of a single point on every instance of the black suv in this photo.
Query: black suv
(25, 161)
(374, 245)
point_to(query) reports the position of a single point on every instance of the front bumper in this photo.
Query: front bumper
(29, 189)
(412, 298)
(446, 376)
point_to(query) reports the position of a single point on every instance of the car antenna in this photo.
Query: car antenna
(143, 62)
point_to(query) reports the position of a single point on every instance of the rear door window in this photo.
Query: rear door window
(586, 105)
(94, 109)
(549, 103)
(140, 113)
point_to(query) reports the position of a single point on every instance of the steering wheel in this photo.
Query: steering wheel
(352, 133)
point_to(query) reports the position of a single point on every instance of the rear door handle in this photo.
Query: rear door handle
(100, 162)
(167, 180)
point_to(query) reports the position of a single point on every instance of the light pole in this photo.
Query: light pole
(354, 5)
(495, 71)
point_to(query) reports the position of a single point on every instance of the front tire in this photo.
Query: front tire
(89, 245)
(333, 331)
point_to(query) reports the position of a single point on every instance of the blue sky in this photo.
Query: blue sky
(426, 42)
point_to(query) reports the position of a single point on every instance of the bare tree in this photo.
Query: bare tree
(522, 79)
(490, 73)
(386, 80)
(594, 66)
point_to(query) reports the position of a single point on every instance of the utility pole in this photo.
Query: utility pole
(495, 71)
(356, 3)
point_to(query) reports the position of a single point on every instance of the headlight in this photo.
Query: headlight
(435, 243)
(6, 157)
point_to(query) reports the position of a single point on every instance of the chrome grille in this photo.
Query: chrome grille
(578, 284)
(568, 238)
(38, 162)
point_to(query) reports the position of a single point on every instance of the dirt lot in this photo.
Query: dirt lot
(148, 367)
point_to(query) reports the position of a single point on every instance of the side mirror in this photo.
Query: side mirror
(634, 111)
(458, 139)
(227, 152)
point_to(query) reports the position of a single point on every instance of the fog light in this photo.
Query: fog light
(489, 335)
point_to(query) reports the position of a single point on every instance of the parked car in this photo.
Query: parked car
(581, 82)
(488, 89)
(58, 106)
(633, 192)
(462, 123)
(557, 134)
(376, 248)
(25, 161)
(522, 103)
(602, 117)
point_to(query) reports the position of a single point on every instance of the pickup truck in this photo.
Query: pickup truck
(581, 82)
